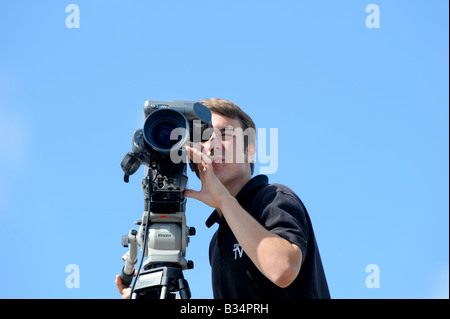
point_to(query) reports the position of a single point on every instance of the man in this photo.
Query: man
(265, 245)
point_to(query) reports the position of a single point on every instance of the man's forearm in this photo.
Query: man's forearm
(275, 257)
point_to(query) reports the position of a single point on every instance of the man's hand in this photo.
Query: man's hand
(213, 193)
(124, 291)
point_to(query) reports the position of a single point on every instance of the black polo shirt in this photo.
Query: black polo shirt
(279, 210)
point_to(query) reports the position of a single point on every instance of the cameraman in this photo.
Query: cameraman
(265, 245)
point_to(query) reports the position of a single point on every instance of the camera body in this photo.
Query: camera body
(161, 117)
(168, 126)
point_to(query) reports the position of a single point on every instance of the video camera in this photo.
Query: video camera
(163, 234)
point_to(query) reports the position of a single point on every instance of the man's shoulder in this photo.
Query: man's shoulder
(278, 204)
(276, 194)
(276, 189)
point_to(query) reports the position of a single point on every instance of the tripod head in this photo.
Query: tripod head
(163, 234)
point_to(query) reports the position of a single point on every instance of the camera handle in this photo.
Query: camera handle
(130, 257)
(130, 164)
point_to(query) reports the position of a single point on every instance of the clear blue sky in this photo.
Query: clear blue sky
(362, 117)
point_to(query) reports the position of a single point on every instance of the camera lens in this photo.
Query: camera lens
(165, 129)
(160, 135)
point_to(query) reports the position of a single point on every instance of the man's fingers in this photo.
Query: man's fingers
(190, 152)
(123, 290)
(126, 293)
(194, 154)
(197, 156)
(119, 284)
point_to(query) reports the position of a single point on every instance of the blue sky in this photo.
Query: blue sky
(362, 119)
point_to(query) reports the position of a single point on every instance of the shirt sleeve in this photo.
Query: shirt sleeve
(283, 213)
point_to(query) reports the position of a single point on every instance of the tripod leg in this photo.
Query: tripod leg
(163, 292)
(185, 292)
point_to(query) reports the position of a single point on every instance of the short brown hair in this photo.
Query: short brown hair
(229, 109)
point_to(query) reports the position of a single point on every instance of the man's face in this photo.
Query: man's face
(226, 150)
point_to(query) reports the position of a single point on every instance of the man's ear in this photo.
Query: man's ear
(251, 153)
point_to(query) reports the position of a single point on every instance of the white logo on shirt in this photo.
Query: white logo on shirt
(238, 250)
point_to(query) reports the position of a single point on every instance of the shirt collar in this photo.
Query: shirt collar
(251, 185)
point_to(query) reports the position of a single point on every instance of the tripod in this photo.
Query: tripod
(163, 238)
